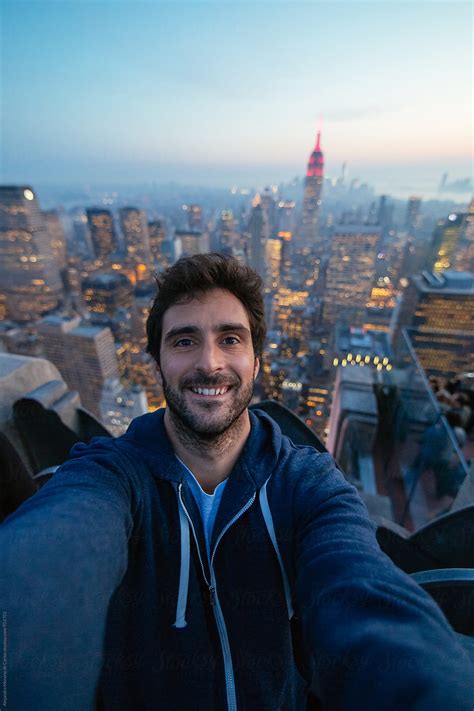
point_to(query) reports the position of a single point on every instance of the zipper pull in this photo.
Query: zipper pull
(212, 591)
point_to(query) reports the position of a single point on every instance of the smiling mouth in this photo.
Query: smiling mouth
(211, 392)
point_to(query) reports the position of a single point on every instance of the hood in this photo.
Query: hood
(259, 456)
(259, 459)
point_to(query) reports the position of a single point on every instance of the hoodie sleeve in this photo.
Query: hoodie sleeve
(62, 555)
(376, 639)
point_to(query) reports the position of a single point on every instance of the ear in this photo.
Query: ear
(256, 368)
(158, 375)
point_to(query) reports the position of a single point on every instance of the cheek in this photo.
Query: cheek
(173, 367)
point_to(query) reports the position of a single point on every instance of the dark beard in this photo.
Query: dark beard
(193, 428)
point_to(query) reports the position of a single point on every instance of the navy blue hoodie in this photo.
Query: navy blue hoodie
(110, 601)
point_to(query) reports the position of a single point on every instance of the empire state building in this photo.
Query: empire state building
(312, 198)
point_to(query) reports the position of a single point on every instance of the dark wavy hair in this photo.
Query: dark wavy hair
(190, 276)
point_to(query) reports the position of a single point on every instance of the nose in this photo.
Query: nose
(210, 358)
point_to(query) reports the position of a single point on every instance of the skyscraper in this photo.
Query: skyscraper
(435, 302)
(29, 276)
(269, 208)
(189, 242)
(137, 239)
(442, 354)
(57, 237)
(256, 230)
(81, 242)
(273, 259)
(84, 355)
(225, 236)
(445, 241)
(286, 228)
(464, 257)
(157, 234)
(290, 310)
(384, 215)
(412, 217)
(286, 216)
(350, 273)
(312, 198)
(194, 217)
(452, 245)
(106, 293)
(104, 239)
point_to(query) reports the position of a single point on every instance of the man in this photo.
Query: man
(202, 561)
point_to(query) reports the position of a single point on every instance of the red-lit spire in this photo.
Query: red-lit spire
(316, 161)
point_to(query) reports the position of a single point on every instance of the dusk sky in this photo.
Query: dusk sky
(232, 92)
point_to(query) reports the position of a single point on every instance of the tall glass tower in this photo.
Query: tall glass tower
(29, 276)
(104, 239)
(312, 198)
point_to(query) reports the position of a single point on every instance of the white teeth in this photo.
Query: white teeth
(210, 391)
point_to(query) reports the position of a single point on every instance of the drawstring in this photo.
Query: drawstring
(184, 568)
(267, 517)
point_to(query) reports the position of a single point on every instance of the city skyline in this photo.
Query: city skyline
(229, 93)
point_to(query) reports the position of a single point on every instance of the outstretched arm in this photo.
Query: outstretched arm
(376, 640)
(62, 555)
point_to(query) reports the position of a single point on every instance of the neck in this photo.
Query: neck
(211, 459)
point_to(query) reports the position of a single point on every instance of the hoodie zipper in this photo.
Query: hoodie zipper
(214, 600)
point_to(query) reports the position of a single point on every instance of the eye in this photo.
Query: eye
(231, 340)
(183, 343)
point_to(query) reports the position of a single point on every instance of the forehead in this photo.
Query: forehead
(206, 310)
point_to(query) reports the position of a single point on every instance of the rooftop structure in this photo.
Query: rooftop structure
(435, 302)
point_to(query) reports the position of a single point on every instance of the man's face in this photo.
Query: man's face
(207, 362)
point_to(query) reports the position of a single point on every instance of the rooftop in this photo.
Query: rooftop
(448, 282)
(88, 331)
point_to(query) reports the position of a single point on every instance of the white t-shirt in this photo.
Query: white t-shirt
(208, 504)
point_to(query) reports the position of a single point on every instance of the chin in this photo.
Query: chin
(207, 420)
(211, 426)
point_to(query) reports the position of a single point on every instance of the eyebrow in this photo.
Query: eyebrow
(189, 329)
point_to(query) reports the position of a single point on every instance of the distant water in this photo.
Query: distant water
(403, 192)
(426, 187)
